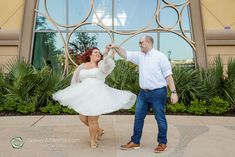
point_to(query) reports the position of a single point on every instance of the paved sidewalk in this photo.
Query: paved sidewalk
(66, 136)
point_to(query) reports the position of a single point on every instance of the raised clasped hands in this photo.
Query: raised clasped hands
(108, 47)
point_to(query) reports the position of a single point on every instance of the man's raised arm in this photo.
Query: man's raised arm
(121, 52)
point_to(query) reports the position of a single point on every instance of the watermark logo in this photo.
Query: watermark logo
(17, 142)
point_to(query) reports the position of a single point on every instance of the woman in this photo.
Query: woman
(90, 96)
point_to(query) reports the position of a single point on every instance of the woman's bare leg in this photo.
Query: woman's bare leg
(93, 129)
(84, 119)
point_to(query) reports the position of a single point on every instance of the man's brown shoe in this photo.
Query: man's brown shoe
(160, 148)
(130, 145)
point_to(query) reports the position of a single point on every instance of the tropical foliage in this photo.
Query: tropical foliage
(26, 89)
(187, 84)
(82, 42)
(125, 76)
(197, 107)
(229, 83)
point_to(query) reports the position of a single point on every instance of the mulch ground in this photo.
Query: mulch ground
(121, 112)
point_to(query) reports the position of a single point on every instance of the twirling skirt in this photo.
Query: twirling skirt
(93, 97)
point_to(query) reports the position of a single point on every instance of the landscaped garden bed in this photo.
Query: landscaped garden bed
(26, 90)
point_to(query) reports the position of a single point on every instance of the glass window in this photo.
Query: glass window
(91, 24)
(175, 47)
(134, 15)
(79, 39)
(186, 19)
(78, 10)
(176, 2)
(117, 16)
(169, 15)
(132, 43)
(103, 9)
(48, 49)
(57, 13)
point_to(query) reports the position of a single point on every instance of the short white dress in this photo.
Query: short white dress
(90, 96)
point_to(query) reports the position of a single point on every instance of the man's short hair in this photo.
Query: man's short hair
(149, 38)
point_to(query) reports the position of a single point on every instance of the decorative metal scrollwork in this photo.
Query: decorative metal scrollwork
(156, 17)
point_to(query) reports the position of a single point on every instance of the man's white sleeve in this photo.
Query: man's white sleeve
(133, 56)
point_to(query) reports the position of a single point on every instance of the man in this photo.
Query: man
(155, 74)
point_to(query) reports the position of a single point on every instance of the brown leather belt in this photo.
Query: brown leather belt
(148, 90)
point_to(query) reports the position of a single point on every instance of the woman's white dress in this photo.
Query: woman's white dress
(89, 95)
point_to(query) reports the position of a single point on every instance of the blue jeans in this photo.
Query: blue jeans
(156, 99)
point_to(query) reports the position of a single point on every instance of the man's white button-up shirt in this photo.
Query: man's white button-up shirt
(154, 67)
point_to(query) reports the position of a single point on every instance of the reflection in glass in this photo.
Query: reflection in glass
(186, 19)
(42, 23)
(132, 43)
(103, 10)
(86, 38)
(91, 27)
(168, 17)
(81, 41)
(99, 40)
(175, 47)
(48, 49)
(122, 15)
(176, 2)
(57, 10)
(77, 11)
(132, 15)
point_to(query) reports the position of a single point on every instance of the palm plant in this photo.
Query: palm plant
(211, 80)
(20, 79)
(186, 83)
(229, 87)
(49, 81)
(19, 86)
(2, 82)
(28, 88)
(2, 90)
(124, 76)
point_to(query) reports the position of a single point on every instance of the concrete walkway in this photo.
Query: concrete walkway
(65, 136)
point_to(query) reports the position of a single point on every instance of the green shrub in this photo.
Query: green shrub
(26, 108)
(229, 91)
(229, 87)
(68, 110)
(44, 109)
(217, 106)
(197, 107)
(178, 107)
(10, 104)
(1, 107)
(2, 88)
(132, 109)
(51, 108)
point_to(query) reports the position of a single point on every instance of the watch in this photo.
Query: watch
(174, 91)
